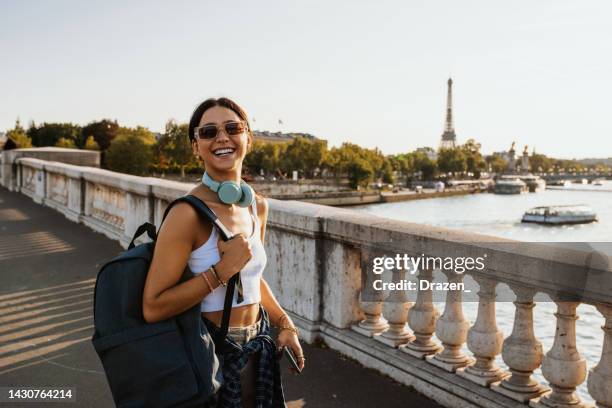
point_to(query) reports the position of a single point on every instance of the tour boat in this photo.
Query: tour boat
(509, 185)
(560, 215)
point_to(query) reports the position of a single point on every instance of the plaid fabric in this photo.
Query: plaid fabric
(268, 386)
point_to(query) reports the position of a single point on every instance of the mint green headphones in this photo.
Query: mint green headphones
(230, 192)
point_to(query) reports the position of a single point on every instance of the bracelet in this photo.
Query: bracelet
(290, 328)
(214, 271)
(280, 319)
(210, 286)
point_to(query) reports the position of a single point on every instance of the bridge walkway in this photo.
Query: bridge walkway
(48, 266)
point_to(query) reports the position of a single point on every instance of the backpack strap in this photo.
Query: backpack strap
(204, 211)
(146, 227)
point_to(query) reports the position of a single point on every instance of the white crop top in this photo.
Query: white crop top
(207, 255)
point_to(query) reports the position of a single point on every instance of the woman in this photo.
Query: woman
(221, 137)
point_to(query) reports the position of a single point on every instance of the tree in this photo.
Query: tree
(265, 156)
(48, 134)
(132, 151)
(474, 162)
(539, 162)
(339, 159)
(387, 172)
(304, 155)
(19, 136)
(452, 160)
(496, 163)
(175, 145)
(360, 173)
(90, 144)
(65, 142)
(103, 132)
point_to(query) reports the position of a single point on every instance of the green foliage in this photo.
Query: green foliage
(48, 134)
(90, 144)
(360, 173)
(568, 165)
(265, 156)
(132, 151)
(175, 148)
(103, 132)
(67, 143)
(387, 172)
(496, 163)
(452, 160)
(474, 161)
(303, 155)
(19, 136)
(539, 163)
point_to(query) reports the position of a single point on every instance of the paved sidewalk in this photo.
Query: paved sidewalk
(48, 267)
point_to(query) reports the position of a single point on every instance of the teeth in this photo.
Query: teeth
(219, 152)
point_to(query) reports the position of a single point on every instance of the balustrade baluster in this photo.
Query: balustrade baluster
(563, 366)
(374, 323)
(522, 352)
(484, 338)
(422, 319)
(452, 329)
(395, 311)
(600, 377)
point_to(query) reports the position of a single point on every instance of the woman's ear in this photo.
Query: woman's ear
(194, 148)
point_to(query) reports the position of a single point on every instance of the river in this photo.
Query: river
(500, 215)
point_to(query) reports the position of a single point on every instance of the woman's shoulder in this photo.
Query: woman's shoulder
(182, 218)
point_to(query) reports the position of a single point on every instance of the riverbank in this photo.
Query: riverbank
(350, 198)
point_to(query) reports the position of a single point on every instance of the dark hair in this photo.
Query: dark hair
(197, 114)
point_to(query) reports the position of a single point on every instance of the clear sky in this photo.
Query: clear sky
(370, 72)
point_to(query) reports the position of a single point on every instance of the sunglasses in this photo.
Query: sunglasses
(208, 132)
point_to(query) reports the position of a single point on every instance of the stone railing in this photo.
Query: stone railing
(317, 259)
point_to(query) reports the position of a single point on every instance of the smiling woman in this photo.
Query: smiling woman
(220, 137)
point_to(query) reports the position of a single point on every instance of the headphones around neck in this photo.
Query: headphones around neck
(230, 192)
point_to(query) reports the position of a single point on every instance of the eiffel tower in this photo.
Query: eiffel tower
(449, 137)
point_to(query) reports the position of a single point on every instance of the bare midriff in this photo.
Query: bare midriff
(240, 317)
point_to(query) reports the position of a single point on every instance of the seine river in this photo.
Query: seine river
(500, 215)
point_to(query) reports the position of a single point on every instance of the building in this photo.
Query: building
(449, 138)
(429, 151)
(279, 137)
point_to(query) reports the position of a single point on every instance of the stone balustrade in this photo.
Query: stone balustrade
(316, 269)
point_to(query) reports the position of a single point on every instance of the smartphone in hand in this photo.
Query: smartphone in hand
(292, 361)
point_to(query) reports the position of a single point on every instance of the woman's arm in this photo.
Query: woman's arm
(277, 315)
(163, 297)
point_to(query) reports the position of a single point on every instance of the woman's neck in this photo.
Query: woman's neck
(219, 176)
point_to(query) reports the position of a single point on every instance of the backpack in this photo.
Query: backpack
(171, 363)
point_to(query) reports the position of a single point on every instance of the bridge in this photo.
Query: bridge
(320, 269)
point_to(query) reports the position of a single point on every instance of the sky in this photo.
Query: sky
(371, 73)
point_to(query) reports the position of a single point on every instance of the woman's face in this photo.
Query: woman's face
(224, 152)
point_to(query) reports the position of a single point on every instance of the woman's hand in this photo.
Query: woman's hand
(234, 253)
(290, 339)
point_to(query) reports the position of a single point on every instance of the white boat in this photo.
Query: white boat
(509, 185)
(598, 182)
(534, 183)
(559, 182)
(560, 215)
